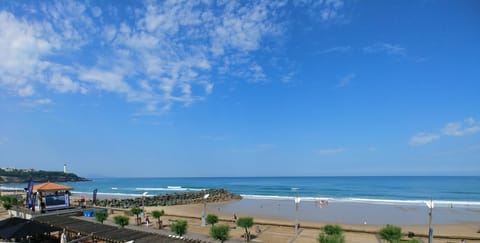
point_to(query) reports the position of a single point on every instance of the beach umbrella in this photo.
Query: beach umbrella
(63, 237)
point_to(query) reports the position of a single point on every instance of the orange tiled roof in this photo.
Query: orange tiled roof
(50, 186)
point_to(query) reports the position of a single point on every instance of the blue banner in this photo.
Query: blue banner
(29, 196)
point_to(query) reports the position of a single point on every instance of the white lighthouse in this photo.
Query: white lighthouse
(64, 168)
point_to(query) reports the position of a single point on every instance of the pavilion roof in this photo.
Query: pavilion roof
(50, 186)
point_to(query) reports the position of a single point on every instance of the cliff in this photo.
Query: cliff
(23, 176)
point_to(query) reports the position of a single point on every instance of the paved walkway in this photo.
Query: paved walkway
(165, 231)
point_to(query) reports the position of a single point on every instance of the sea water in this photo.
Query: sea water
(397, 190)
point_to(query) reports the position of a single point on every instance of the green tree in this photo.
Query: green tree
(331, 233)
(212, 219)
(179, 227)
(137, 211)
(391, 233)
(220, 232)
(246, 223)
(101, 216)
(157, 214)
(121, 220)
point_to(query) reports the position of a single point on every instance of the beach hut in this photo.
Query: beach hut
(50, 196)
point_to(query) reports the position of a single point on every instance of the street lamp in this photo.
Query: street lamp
(143, 204)
(204, 208)
(297, 204)
(430, 230)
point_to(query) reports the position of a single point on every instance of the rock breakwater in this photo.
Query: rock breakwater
(215, 195)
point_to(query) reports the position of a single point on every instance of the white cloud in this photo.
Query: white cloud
(423, 138)
(345, 81)
(331, 151)
(65, 84)
(162, 54)
(386, 48)
(469, 126)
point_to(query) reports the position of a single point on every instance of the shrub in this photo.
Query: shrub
(101, 216)
(331, 233)
(121, 220)
(179, 227)
(8, 202)
(391, 233)
(325, 238)
(333, 229)
(220, 232)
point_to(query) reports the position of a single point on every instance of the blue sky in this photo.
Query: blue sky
(257, 88)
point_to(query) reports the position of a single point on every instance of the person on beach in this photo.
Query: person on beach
(147, 220)
(234, 218)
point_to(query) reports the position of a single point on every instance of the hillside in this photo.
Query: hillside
(21, 176)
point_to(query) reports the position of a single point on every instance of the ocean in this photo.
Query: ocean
(444, 190)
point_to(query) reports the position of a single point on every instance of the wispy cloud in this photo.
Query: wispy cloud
(322, 10)
(339, 49)
(37, 102)
(345, 81)
(386, 48)
(331, 151)
(467, 127)
(423, 138)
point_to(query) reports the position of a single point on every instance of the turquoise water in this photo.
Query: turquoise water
(379, 189)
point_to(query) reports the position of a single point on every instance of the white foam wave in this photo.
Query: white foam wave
(111, 194)
(11, 188)
(441, 203)
(114, 188)
(168, 188)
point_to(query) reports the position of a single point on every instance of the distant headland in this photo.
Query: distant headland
(13, 175)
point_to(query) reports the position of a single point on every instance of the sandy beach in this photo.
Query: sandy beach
(280, 228)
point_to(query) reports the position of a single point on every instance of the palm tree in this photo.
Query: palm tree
(220, 232)
(157, 214)
(245, 222)
(212, 219)
(137, 211)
